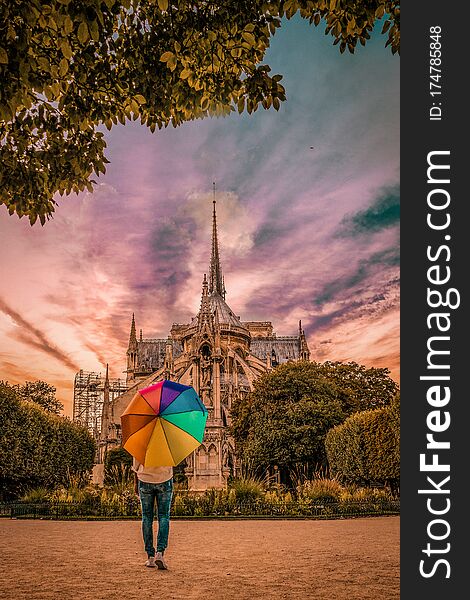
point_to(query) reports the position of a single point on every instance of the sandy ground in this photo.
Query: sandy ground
(355, 559)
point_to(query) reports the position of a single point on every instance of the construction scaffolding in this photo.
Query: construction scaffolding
(88, 398)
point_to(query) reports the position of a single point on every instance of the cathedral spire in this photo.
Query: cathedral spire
(132, 336)
(216, 284)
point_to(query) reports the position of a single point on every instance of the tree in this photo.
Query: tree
(41, 393)
(69, 66)
(285, 419)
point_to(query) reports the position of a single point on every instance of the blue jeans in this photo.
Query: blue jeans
(161, 493)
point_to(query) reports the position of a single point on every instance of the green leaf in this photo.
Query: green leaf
(68, 25)
(54, 91)
(249, 37)
(171, 63)
(63, 67)
(386, 26)
(44, 63)
(3, 56)
(380, 11)
(166, 56)
(163, 4)
(140, 99)
(66, 49)
(94, 31)
(83, 33)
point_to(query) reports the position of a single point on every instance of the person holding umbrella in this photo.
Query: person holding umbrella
(161, 426)
(154, 485)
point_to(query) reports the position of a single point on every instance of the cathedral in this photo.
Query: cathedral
(220, 356)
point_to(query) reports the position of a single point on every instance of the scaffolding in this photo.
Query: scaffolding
(88, 398)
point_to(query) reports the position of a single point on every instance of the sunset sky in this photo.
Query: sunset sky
(304, 233)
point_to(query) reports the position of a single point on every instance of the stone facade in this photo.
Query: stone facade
(221, 357)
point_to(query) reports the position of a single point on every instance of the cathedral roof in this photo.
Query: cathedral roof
(223, 311)
(225, 314)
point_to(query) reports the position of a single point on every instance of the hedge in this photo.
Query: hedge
(38, 448)
(366, 447)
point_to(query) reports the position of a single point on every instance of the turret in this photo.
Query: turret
(304, 352)
(132, 351)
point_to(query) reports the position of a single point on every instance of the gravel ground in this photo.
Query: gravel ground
(355, 559)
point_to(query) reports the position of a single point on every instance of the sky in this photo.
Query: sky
(308, 220)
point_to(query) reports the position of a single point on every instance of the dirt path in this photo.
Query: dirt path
(355, 559)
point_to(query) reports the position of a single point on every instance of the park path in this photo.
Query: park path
(355, 559)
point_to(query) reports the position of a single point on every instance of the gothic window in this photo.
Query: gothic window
(213, 458)
(202, 458)
(206, 351)
(274, 360)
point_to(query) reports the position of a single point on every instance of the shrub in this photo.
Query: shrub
(366, 447)
(118, 467)
(323, 489)
(247, 489)
(40, 494)
(345, 449)
(370, 494)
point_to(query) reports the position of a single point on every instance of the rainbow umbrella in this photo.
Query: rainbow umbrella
(163, 424)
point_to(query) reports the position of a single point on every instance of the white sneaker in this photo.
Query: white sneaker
(160, 561)
(151, 562)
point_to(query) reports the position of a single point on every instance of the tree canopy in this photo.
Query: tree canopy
(42, 394)
(69, 66)
(359, 387)
(285, 419)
